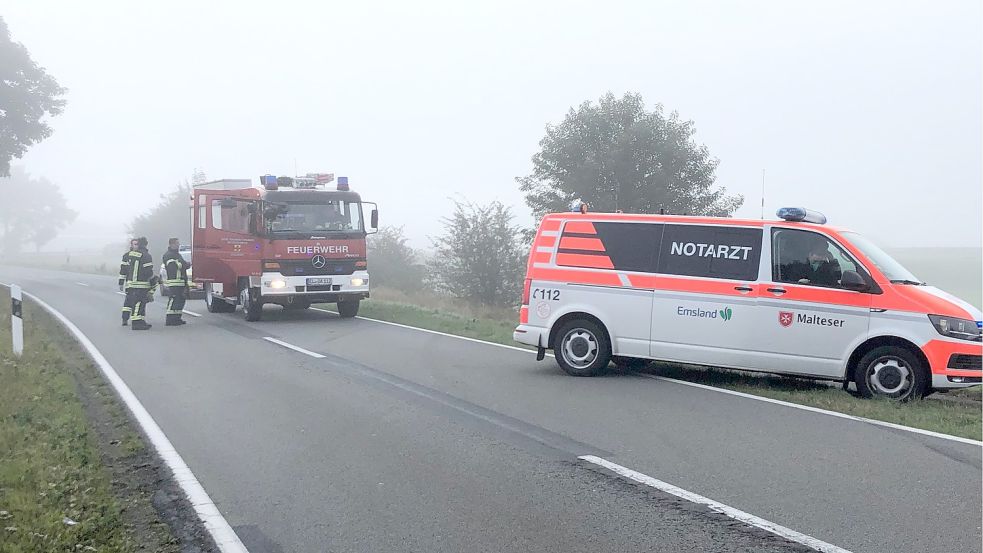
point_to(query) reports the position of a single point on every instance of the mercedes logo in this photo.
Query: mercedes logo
(318, 261)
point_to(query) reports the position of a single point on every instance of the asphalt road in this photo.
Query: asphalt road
(399, 440)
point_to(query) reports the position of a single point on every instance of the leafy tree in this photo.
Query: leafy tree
(171, 218)
(27, 94)
(392, 262)
(32, 210)
(617, 155)
(480, 256)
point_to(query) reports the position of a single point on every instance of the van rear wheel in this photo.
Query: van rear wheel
(581, 348)
(891, 372)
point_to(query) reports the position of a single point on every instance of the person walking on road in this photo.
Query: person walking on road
(138, 279)
(177, 282)
(123, 266)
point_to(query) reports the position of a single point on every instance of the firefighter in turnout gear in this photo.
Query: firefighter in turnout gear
(138, 278)
(177, 282)
(123, 266)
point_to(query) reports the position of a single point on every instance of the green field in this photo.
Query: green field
(958, 271)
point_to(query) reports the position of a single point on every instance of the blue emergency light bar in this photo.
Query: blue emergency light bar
(801, 214)
(343, 184)
(268, 182)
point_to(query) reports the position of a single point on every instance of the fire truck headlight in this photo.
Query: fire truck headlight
(360, 281)
(278, 283)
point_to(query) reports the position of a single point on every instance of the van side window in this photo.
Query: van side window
(804, 257)
(711, 251)
(621, 246)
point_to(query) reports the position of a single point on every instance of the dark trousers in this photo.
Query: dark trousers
(175, 303)
(135, 305)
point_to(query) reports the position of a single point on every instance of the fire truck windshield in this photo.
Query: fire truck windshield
(308, 218)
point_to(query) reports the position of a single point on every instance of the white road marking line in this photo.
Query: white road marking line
(192, 313)
(706, 387)
(293, 347)
(219, 528)
(81, 284)
(121, 293)
(736, 514)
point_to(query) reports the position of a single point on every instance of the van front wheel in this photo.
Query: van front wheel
(581, 348)
(891, 372)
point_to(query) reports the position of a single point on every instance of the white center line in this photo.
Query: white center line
(736, 514)
(81, 284)
(293, 347)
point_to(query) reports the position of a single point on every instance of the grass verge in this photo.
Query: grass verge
(962, 418)
(75, 475)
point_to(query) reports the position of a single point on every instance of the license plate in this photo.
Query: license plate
(319, 282)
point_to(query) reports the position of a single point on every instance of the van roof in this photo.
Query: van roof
(689, 219)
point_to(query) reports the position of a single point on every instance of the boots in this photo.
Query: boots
(140, 324)
(173, 320)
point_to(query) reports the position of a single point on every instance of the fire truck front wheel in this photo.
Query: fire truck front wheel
(252, 304)
(348, 309)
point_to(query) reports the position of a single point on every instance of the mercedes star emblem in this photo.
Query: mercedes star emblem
(318, 261)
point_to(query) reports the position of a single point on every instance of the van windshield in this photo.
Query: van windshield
(894, 271)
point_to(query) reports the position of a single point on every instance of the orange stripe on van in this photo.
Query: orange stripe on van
(939, 351)
(524, 315)
(828, 296)
(587, 244)
(546, 241)
(642, 281)
(582, 260)
(541, 257)
(577, 277)
(550, 224)
(580, 227)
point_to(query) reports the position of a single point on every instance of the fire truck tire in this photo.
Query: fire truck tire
(252, 304)
(216, 305)
(348, 309)
(581, 348)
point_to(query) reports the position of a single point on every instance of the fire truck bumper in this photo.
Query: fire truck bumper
(328, 288)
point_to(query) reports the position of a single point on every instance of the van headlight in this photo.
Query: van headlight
(962, 329)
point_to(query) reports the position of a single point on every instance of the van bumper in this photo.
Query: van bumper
(531, 335)
(954, 364)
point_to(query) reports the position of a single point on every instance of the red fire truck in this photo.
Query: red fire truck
(290, 241)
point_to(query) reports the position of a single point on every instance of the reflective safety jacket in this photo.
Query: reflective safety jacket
(176, 268)
(137, 270)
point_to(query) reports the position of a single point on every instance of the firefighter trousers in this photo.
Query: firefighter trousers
(135, 305)
(175, 303)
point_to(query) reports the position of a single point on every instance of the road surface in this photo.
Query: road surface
(392, 439)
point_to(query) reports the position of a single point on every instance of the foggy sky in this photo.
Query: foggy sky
(867, 111)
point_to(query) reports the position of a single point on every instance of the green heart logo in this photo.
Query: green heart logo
(726, 313)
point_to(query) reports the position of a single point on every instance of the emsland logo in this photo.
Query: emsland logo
(726, 313)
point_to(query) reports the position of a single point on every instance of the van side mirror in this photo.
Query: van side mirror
(375, 218)
(851, 280)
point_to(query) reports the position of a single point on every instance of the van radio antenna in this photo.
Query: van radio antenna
(762, 194)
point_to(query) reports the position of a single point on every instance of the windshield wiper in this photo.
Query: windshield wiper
(906, 281)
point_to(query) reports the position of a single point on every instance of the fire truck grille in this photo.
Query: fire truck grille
(305, 268)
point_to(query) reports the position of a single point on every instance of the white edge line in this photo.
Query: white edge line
(736, 514)
(293, 347)
(710, 388)
(222, 533)
(81, 284)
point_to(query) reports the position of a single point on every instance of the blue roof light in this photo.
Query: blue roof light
(801, 214)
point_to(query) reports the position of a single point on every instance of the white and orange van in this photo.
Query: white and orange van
(793, 296)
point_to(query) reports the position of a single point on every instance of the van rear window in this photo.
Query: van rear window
(711, 251)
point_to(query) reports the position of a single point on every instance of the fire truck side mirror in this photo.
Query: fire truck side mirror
(375, 218)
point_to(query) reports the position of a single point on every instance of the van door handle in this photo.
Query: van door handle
(743, 288)
(777, 291)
